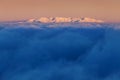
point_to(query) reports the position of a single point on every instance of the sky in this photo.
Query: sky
(107, 10)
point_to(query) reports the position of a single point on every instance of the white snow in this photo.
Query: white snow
(64, 19)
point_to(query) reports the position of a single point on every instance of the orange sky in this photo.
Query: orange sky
(107, 10)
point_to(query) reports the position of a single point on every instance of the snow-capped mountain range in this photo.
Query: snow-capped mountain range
(63, 20)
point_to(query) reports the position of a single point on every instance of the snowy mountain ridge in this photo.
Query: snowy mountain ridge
(63, 19)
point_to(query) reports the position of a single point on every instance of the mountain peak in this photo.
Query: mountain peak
(63, 20)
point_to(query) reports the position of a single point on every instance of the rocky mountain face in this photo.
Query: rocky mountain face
(63, 20)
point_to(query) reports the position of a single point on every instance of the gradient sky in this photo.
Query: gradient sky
(107, 10)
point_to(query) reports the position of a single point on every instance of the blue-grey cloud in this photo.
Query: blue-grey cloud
(59, 53)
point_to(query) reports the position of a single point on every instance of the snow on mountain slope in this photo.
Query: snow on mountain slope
(63, 19)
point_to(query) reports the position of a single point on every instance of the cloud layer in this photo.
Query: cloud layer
(59, 53)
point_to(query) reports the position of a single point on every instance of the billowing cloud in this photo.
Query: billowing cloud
(59, 53)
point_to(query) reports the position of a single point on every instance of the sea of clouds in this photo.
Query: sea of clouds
(59, 51)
